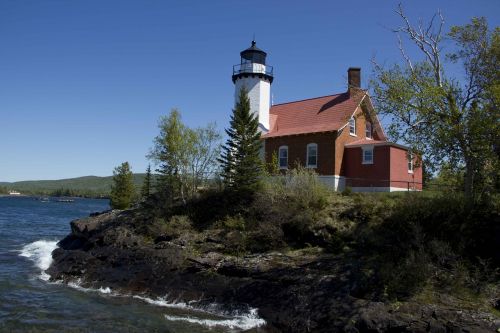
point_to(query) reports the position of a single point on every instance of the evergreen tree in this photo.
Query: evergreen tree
(273, 167)
(122, 190)
(146, 186)
(240, 160)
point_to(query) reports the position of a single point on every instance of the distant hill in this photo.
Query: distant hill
(85, 186)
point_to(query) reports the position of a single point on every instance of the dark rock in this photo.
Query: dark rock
(302, 293)
(163, 238)
(99, 213)
(496, 304)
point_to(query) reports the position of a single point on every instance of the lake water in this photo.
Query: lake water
(29, 231)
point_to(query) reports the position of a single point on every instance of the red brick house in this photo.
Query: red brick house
(339, 136)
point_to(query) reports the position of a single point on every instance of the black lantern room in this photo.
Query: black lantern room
(253, 63)
(254, 55)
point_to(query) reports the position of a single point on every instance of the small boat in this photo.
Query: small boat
(14, 193)
(65, 200)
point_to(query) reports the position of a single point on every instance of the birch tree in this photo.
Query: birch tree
(185, 157)
(451, 119)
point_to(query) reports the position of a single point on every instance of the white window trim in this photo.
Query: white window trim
(366, 148)
(307, 155)
(371, 131)
(350, 133)
(410, 162)
(279, 157)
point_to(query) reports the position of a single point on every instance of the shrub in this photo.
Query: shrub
(265, 238)
(215, 205)
(235, 242)
(300, 187)
(412, 240)
(236, 222)
(173, 228)
(403, 278)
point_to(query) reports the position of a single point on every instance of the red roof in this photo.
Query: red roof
(363, 142)
(321, 114)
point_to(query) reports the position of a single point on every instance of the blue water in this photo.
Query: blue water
(29, 230)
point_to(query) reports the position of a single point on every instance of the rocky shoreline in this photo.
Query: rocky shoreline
(293, 291)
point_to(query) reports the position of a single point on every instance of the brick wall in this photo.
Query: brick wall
(367, 175)
(297, 149)
(330, 147)
(400, 177)
(345, 137)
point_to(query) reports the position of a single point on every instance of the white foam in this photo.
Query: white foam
(40, 252)
(243, 322)
(77, 284)
(162, 301)
(106, 290)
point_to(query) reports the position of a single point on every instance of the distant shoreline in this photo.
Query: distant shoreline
(84, 187)
(49, 196)
(15, 196)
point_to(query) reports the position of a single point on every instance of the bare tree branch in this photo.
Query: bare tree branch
(403, 53)
(425, 39)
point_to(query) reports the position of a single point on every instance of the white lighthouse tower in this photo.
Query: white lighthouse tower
(253, 74)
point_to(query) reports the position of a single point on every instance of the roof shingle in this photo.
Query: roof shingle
(321, 114)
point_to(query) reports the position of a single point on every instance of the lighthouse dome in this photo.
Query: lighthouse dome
(253, 54)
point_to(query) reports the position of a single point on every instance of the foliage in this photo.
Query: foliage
(297, 204)
(146, 186)
(213, 206)
(88, 186)
(235, 222)
(240, 160)
(299, 187)
(447, 178)
(272, 168)
(415, 240)
(122, 191)
(186, 157)
(450, 120)
(176, 226)
(397, 244)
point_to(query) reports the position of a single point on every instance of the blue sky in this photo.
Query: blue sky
(83, 83)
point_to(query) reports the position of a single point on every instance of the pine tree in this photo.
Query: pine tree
(272, 167)
(240, 160)
(122, 190)
(146, 186)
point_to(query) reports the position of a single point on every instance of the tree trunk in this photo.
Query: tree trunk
(469, 179)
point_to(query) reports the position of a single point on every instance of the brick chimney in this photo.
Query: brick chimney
(353, 78)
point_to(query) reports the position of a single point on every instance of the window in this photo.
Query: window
(352, 126)
(368, 130)
(312, 155)
(367, 155)
(283, 157)
(410, 162)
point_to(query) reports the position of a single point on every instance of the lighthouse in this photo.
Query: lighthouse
(256, 77)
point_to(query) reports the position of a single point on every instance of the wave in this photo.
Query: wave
(244, 322)
(236, 320)
(40, 252)
(77, 284)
